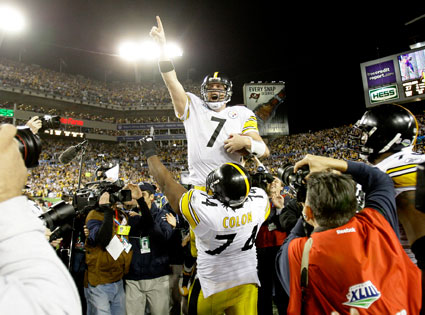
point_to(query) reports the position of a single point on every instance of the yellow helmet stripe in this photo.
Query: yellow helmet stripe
(244, 177)
(215, 75)
(416, 123)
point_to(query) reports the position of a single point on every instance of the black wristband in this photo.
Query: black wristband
(150, 152)
(148, 146)
(165, 66)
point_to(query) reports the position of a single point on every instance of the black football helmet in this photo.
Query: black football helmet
(220, 78)
(230, 183)
(384, 128)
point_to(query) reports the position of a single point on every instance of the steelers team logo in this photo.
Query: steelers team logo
(233, 114)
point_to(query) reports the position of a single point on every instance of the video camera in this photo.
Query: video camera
(50, 122)
(87, 198)
(58, 217)
(295, 181)
(261, 178)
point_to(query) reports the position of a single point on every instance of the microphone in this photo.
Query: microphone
(69, 154)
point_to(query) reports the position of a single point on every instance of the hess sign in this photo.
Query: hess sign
(6, 112)
(383, 94)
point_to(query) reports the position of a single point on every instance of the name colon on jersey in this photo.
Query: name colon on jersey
(230, 222)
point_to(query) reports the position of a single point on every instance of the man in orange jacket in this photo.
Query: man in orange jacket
(352, 259)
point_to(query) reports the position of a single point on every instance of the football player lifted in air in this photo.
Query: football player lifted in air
(225, 223)
(213, 129)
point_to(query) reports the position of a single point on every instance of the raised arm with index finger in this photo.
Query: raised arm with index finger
(168, 73)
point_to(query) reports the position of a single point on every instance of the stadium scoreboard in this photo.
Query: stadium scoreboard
(399, 78)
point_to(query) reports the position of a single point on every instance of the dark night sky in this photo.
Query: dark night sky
(316, 49)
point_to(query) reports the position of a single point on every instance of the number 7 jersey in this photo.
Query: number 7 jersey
(225, 238)
(206, 131)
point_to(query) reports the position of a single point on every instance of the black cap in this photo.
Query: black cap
(144, 186)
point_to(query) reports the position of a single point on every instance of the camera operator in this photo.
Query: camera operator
(269, 239)
(147, 283)
(35, 124)
(108, 258)
(34, 280)
(38, 210)
(294, 199)
(352, 258)
(290, 214)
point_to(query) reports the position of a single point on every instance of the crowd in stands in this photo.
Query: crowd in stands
(76, 87)
(89, 116)
(92, 117)
(290, 149)
(52, 179)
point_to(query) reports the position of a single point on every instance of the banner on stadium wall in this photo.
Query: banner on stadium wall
(265, 100)
(143, 126)
(157, 137)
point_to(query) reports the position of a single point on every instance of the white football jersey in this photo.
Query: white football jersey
(401, 167)
(225, 238)
(206, 131)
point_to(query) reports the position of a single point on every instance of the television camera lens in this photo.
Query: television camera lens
(286, 173)
(58, 215)
(295, 181)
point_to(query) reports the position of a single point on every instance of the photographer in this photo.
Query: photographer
(34, 280)
(290, 214)
(352, 259)
(147, 283)
(108, 257)
(35, 124)
(268, 241)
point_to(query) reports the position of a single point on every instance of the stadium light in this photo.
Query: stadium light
(11, 19)
(129, 51)
(173, 50)
(148, 50)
